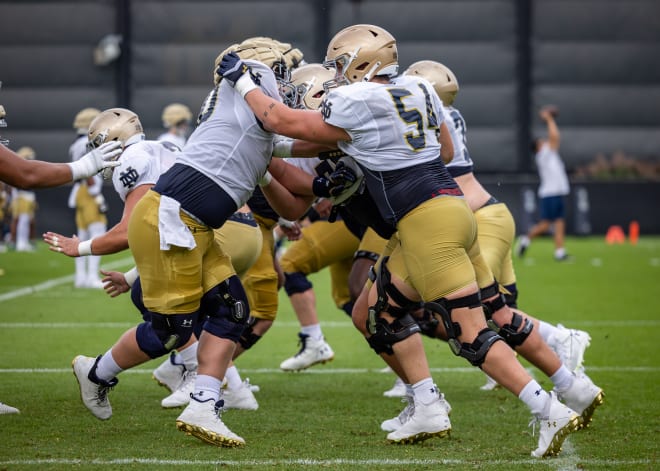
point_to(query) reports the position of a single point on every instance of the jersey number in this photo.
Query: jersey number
(415, 139)
(208, 106)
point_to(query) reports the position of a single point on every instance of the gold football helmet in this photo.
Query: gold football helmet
(27, 153)
(260, 49)
(84, 117)
(440, 76)
(176, 114)
(308, 83)
(361, 52)
(115, 124)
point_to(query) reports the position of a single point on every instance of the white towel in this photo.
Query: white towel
(170, 226)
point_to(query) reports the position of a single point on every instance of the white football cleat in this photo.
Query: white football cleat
(202, 420)
(427, 421)
(181, 397)
(240, 398)
(170, 374)
(583, 397)
(390, 425)
(312, 352)
(398, 390)
(93, 391)
(5, 409)
(569, 345)
(554, 427)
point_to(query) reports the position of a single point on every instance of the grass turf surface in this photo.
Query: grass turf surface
(329, 416)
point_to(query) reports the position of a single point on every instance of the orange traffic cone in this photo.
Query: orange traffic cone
(633, 232)
(615, 235)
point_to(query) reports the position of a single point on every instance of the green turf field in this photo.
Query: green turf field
(329, 417)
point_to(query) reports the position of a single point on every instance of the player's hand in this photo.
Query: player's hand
(104, 156)
(340, 179)
(549, 112)
(64, 245)
(114, 283)
(232, 68)
(291, 231)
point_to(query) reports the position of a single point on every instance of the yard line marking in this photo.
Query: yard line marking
(48, 284)
(284, 324)
(313, 462)
(325, 371)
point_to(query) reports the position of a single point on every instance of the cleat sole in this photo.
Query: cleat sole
(587, 414)
(208, 436)
(320, 362)
(558, 440)
(420, 437)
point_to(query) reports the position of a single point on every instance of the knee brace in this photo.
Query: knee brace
(230, 310)
(383, 333)
(512, 333)
(495, 304)
(248, 338)
(348, 308)
(366, 254)
(428, 324)
(296, 283)
(164, 333)
(386, 334)
(474, 352)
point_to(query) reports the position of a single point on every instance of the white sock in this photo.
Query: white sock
(425, 391)
(107, 368)
(524, 240)
(233, 378)
(562, 379)
(560, 252)
(207, 387)
(535, 398)
(188, 357)
(314, 331)
(546, 331)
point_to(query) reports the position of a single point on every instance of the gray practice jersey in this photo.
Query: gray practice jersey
(458, 133)
(229, 145)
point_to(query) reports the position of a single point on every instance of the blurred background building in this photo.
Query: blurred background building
(595, 59)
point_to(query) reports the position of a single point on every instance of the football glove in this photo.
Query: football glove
(340, 179)
(105, 156)
(236, 73)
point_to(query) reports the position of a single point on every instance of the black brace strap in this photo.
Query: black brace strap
(495, 304)
(386, 290)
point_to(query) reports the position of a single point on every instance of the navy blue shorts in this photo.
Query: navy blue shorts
(552, 208)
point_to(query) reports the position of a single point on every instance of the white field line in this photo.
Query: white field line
(48, 284)
(316, 462)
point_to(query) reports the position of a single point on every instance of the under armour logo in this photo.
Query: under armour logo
(552, 424)
(326, 109)
(187, 323)
(129, 177)
(538, 393)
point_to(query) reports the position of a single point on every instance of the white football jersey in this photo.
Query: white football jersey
(142, 163)
(458, 133)
(392, 126)
(229, 145)
(554, 181)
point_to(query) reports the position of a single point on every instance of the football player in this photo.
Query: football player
(87, 199)
(22, 208)
(176, 119)
(389, 125)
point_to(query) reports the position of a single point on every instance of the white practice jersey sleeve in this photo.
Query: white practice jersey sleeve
(178, 141)
(229, 144)
(391, 126)
(142, 163)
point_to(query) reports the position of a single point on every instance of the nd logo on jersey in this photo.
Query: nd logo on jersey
(326, 110)
(129, 177)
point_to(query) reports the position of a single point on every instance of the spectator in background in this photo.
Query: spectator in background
(23, 207)
(87, 199)
(552, 190)
(176, 119)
